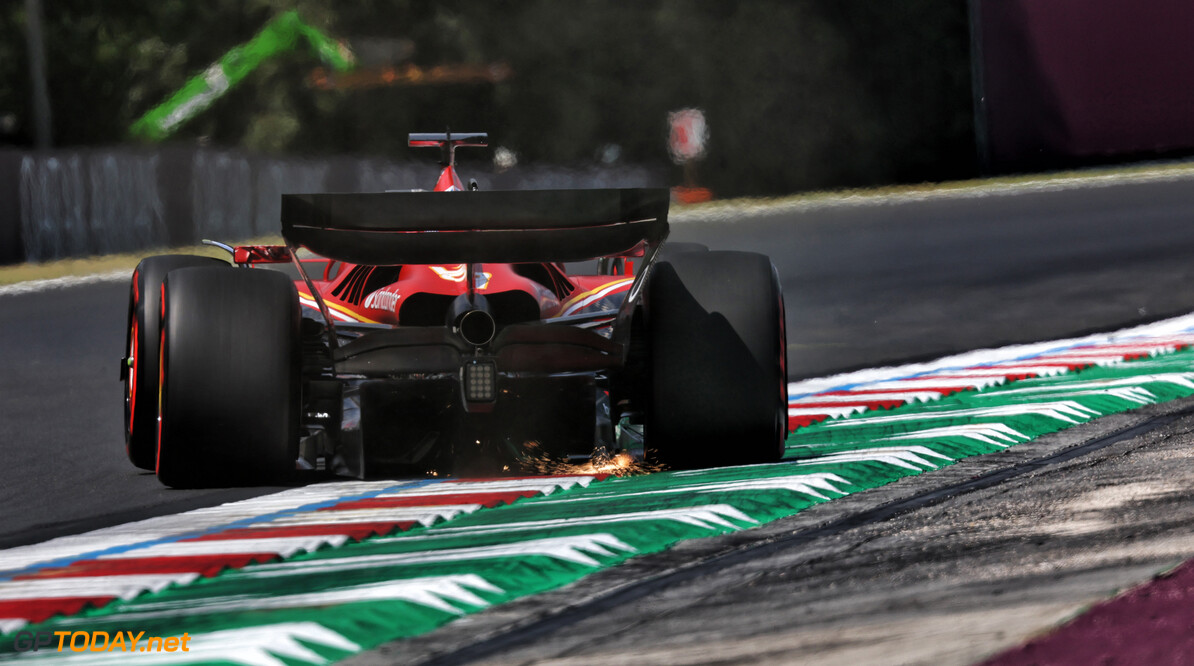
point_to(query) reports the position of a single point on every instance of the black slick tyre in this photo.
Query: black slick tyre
(718, 384)
(229, 402)
(140, 373)
(670, 250)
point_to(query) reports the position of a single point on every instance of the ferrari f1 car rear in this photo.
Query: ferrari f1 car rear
(441, 332)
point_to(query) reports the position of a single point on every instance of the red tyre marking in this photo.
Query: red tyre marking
(134, 348)
(157, 465)
(783, 367)
(134, 351)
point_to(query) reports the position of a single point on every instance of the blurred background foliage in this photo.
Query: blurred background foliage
(798, 94)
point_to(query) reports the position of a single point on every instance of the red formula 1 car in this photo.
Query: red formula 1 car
(444, 332)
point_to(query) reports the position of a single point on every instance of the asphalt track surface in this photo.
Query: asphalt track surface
(865, 285)
(869, 285)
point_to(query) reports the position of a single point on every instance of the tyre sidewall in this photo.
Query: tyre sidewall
(140, 423)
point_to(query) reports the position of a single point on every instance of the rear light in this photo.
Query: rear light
(480, 381)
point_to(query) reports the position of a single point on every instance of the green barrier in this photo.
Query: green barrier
(280, 35)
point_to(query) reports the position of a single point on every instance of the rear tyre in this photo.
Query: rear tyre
(717, 360)
(670, 250)
(229, 402)
(141, 345)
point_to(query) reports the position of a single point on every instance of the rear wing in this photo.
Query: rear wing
(513, 226)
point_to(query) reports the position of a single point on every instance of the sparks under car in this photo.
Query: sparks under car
(454, 332)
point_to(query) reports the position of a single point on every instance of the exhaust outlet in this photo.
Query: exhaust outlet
(475, 327)
(472, 321)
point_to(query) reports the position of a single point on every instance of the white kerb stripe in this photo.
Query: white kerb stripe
(284, 546)
(422, 515)
(124, 587)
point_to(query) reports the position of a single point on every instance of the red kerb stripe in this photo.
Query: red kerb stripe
(805, 420)
(484, 499)
(869, 404)
(356, 531)
(39, 610)
(204, 565)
